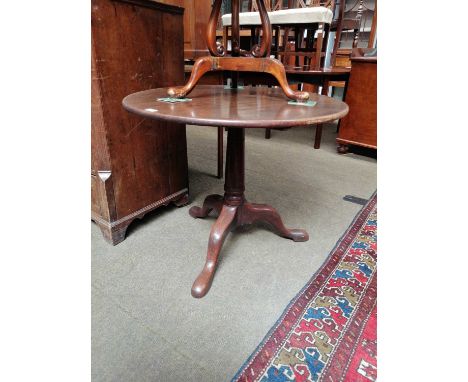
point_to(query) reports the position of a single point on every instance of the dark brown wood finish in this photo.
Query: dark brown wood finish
(220, 152)
(196, 15)
(250, 107)
(303, 74)
(360, 126)
(137, 165)
(212, 78)
(238, 109)
(257, 60)
(238, 64)
(234, 211)
(305, 62)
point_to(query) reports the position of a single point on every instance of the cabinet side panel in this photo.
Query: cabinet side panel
(137, 48)
(197, 13)
(360, 125)
(102, 200)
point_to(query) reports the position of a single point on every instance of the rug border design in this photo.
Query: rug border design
(278, 334)
(359, 336)
(357, 322)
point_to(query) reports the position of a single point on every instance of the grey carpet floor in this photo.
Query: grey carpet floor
(145, 324)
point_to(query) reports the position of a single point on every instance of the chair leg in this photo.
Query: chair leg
(319, 128)
(220, 152)
(267, 133)
(318, 49)
(297, 44)
(343, 99)
(318, 136)
(276, 41)
(225, 36)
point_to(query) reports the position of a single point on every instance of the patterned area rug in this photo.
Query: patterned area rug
(329, 330)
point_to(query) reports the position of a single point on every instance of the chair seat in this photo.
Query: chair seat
(245, 18)
(302, 16)
(293, 16)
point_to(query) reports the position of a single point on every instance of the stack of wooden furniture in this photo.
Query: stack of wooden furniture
(310, 72)
(359, 29)
(137, 164)
(305, 62)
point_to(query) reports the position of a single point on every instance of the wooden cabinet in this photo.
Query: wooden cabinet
(137, 164)
(197, 13)
(359, 127)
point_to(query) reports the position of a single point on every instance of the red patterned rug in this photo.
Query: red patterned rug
(329, 330)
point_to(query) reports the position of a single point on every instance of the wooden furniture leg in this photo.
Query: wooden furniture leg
(345, 90)
(201, 66)
(220, 152)
(319, 128)
(252, 213)
(234, 211)
(267, 133)
(113, 235)
(238, 64)
(218, 233)
(318, 136)
(342, 149)
(212, 202)
(256, 60)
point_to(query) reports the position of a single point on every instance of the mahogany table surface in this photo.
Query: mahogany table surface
(249, 107)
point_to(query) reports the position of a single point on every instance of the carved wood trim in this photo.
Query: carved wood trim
(268, 4)
(314, 3)
(215, 49)
(139, 213)
(240, 64)
(264, 49)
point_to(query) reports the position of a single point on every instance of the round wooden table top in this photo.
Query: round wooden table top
(250, 107)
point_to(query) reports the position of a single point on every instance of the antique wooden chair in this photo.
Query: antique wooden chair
(309, 63)
(304, 66)
(333, 76)
(250, 20)
(310, 21)
(299, 16)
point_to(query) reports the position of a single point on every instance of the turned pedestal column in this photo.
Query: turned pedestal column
(234, 211)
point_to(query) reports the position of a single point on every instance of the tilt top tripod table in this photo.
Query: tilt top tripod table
(237, 110)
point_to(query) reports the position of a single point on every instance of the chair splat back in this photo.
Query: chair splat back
(311, 3)
(270, 5)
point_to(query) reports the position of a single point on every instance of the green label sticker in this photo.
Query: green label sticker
(174, 100)
(307, 103)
